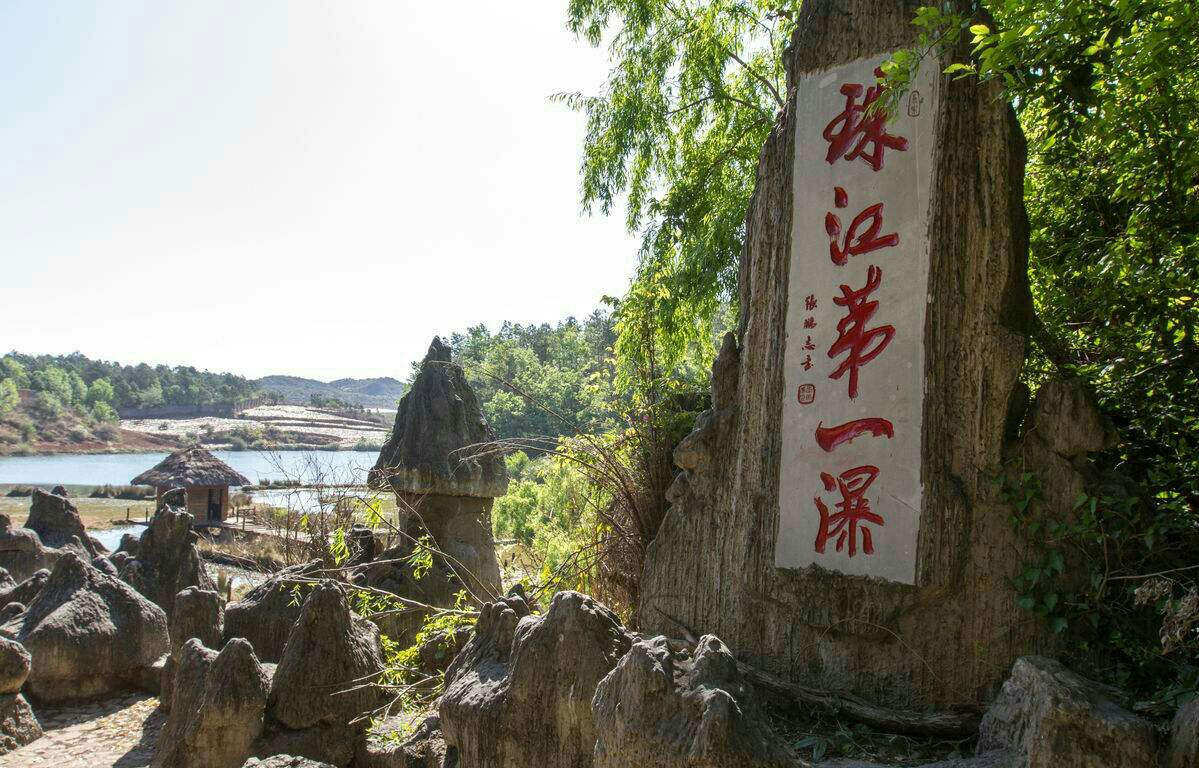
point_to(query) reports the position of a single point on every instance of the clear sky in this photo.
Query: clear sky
(291, 186)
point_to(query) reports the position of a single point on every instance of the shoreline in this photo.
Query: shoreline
(119, 450)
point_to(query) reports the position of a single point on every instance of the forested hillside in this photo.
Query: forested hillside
(544, 380)
(74, 399)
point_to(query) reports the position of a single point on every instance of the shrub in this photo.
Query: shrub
(48, 405)
(127, 492)
(8, 395)
(108, 432)
(104, 412)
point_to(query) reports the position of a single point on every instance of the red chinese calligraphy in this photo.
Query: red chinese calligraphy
(809, 322)
(856, 133)
(809, 302)
(853, 337)
(806, 394)
(829, 438)
(807, 362)
(852, 511)
(855, 242)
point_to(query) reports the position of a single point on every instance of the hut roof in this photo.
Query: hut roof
(190, 466)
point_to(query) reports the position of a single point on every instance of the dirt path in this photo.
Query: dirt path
(114, 733)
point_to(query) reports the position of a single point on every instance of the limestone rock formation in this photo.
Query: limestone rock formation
(15, 663)
(437, 425)
(167, 560)
(26, 590)
(182, 686)
(266, 614)
(439, 464)
(130, 545)
(101, 563)
(711, 565)
(219, 701)
(1054, 718)
(57, 523)
(21, 551)
(9, 612)
(7, 582)
(665, 709)
(1184, 737)
(18, 726)
(198, 613)
(88, 633)
(362, 543)
(520, 693)
(324, 677)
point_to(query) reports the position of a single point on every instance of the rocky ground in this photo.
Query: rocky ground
(117, 733)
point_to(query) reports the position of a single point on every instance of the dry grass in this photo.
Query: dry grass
(96, 513)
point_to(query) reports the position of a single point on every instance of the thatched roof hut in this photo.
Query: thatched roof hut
(204, 478)
(191, 467)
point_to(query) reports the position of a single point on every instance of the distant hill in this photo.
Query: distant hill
(369, 393)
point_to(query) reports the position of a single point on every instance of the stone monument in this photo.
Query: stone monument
(837, 520)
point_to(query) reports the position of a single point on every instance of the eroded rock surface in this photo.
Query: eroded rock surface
(1053, 718)
(167, 560)
(21, 551)
(15, 663)
(88, 633)
(57, 523)
(219, 701)
(440, 463)
(198, 613)
(669, 709)
(266, 614)
(520, 693)
(437, 423)
(1184, 738)
(18, 726)
(324, 678)
(27, 590)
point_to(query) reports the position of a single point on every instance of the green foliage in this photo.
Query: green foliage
(11, 368)
(1108, 95)
(101, 391)
(53, 382)
(690, 98)
(1118, 575)
(325, 401)
(541, 381)
(550, 512)
(8, 395)
(104, 412)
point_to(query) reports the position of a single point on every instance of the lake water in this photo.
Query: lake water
(119, 468)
